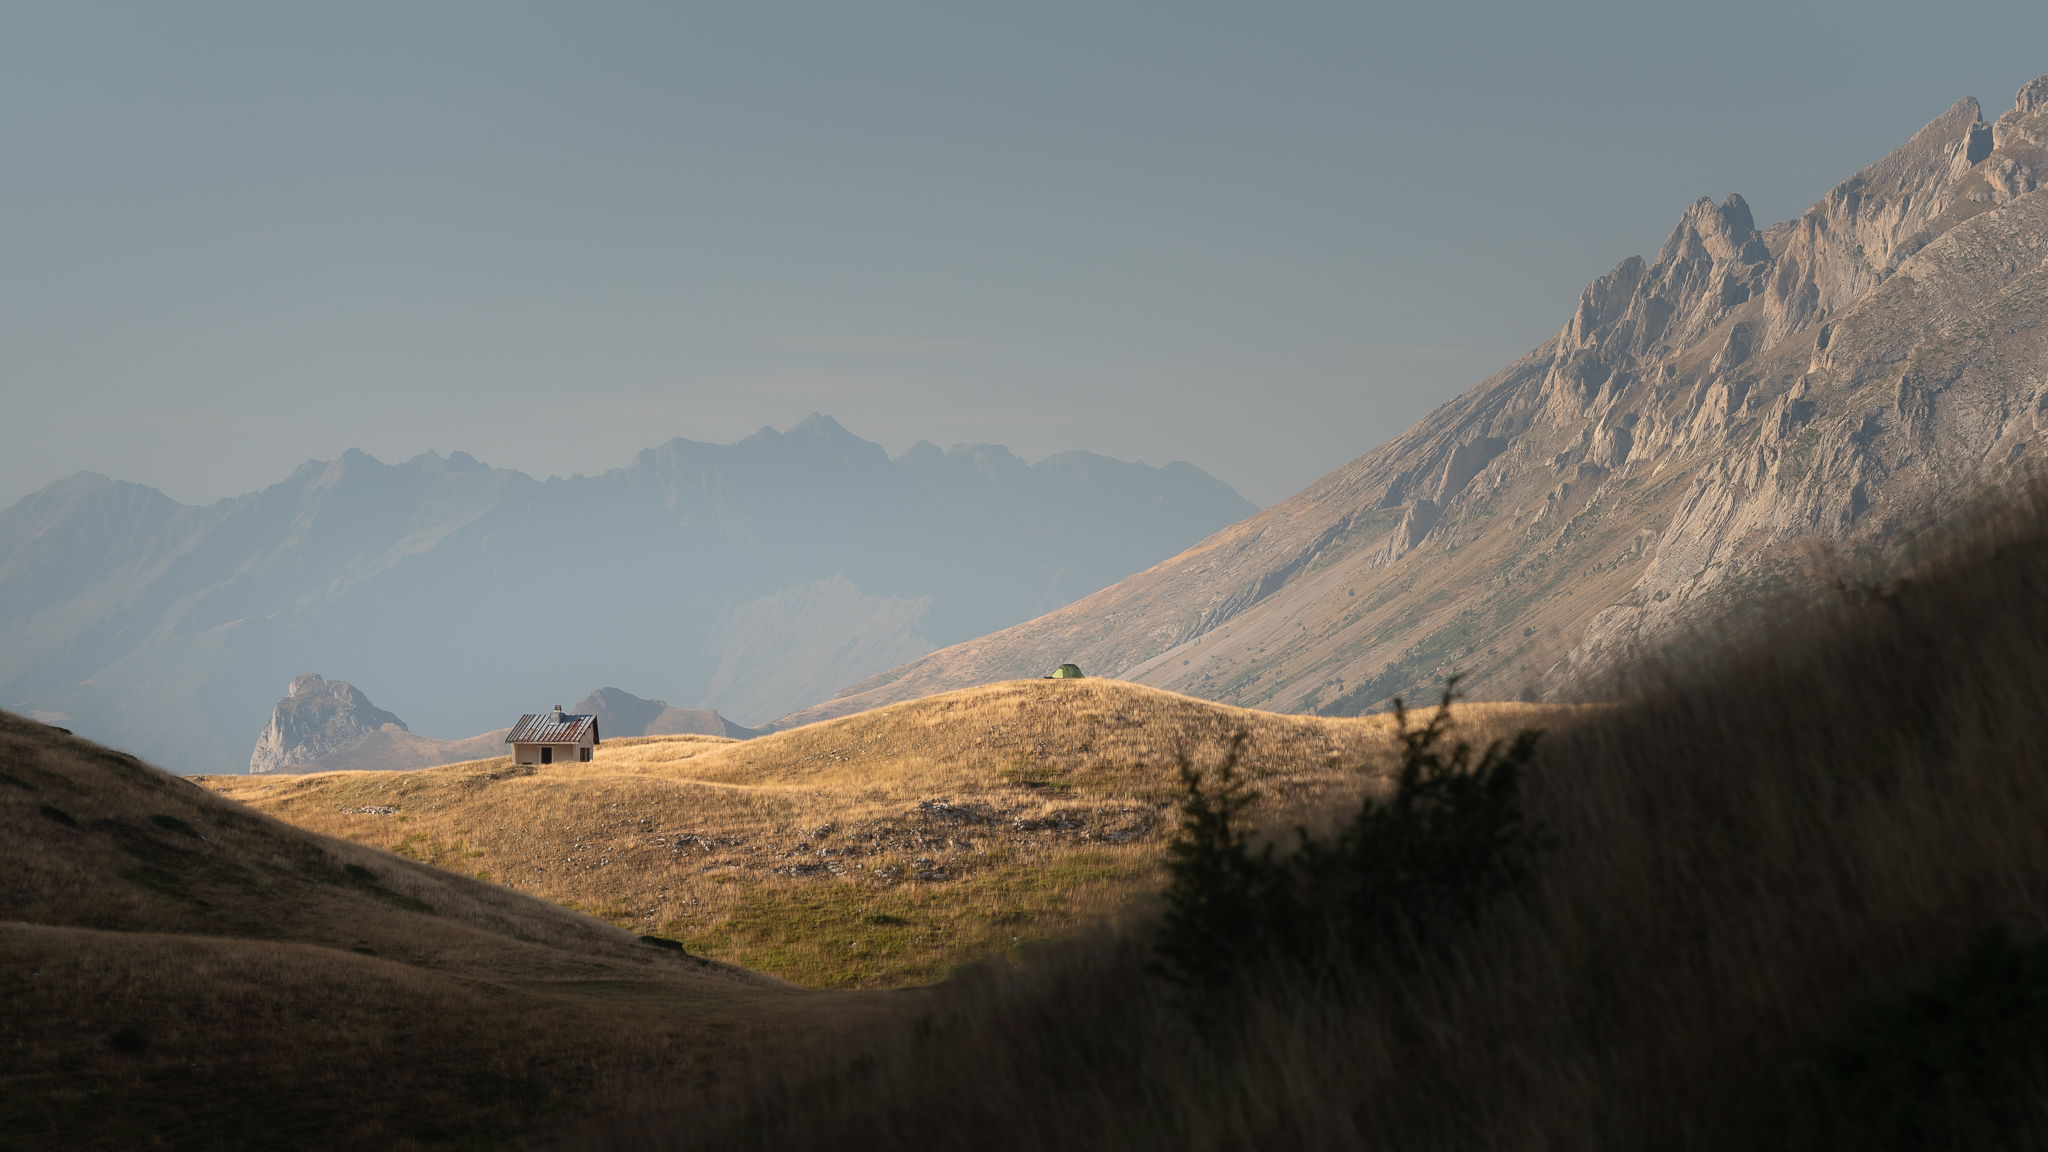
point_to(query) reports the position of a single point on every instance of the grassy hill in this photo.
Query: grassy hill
(177, 970)
(877, 850)
(1761, 924)
(1795, 899)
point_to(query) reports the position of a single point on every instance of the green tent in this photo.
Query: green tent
(1066, 672)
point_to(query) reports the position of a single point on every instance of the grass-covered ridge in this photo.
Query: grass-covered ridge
(878, 850)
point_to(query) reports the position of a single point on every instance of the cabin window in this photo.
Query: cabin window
(584, 755)
(547, 755)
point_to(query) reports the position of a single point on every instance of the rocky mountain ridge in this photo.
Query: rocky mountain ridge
(1701, 422)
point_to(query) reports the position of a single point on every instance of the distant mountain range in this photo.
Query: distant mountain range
(753, 578)
(1709, 423)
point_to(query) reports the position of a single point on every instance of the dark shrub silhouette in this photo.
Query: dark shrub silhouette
(1448, 841)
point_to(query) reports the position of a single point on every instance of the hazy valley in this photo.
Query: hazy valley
(1750, 552)
(1732, 417)
(751, 578)
(1743, 863)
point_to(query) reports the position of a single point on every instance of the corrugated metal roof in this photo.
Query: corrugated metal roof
(552, 728)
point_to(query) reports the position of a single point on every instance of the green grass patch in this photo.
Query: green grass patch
(844, 933)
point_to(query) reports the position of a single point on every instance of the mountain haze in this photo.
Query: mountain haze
(466, 595)
(622, 715)
(1703, 422)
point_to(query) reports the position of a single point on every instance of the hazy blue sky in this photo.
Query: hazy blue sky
(1262, 238)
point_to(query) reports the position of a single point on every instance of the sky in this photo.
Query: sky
(1261, 238)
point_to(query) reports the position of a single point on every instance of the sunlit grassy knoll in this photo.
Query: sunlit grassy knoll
(877, 850)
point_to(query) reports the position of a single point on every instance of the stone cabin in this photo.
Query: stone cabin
(552, 737)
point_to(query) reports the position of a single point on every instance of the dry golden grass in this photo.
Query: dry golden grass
(877, 850)
(177, 970)
(1764, 847)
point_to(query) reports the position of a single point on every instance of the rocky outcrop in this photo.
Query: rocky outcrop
(316, 718)
(1931, 385)
(1701, 419)
(1855, 237)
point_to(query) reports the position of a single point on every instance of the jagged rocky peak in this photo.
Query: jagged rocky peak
(316, 717)
(1721, 292)
(1669, 358)
(2019, 146)
(1702, 416)
(1856, 237)
(1713, 263)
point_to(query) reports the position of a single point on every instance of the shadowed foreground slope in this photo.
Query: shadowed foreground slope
(177, 970)
(877, 850)
(1756, 867)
